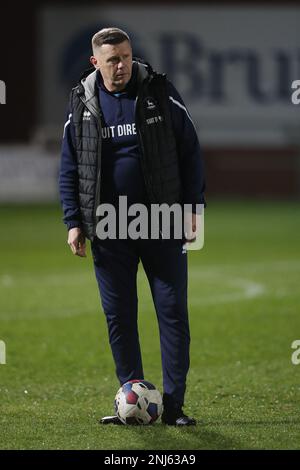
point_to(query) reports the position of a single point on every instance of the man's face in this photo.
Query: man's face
(115, 64)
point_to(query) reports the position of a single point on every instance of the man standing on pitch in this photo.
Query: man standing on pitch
(128, 133)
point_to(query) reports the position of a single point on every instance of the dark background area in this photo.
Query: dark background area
(261, 172)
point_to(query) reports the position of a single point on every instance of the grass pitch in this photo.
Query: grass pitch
(244, 300)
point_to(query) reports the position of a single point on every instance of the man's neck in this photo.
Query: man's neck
(113, 89)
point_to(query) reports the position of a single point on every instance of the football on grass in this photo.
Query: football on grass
(138, 402)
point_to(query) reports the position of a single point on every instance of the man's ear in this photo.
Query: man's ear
(94, 61)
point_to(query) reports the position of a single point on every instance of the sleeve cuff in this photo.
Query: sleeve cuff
(73, 224)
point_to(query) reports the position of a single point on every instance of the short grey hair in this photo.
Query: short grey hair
(110, 35)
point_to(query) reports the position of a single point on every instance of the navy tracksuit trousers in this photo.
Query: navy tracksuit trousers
(165, 264)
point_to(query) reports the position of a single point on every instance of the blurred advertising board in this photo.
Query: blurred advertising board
(233, 66)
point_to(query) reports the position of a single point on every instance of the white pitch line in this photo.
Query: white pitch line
(245, 289)
(6, 280)
(248, 290)
(203, 271)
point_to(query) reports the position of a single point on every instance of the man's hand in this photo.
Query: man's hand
(190, 228)
(76, 241)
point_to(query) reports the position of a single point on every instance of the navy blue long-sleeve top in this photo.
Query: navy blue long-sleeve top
(121, 165)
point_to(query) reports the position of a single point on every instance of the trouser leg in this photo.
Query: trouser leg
(166, 267)
(116, 263)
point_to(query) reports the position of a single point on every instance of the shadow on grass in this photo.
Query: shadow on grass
(160, 437)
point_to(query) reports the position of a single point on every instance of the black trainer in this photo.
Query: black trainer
(111, 420)
(177, 418)
(173, 414)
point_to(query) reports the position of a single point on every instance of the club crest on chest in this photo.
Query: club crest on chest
(86, 116)
(152, 109)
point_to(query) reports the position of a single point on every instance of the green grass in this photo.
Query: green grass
(244, 300)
